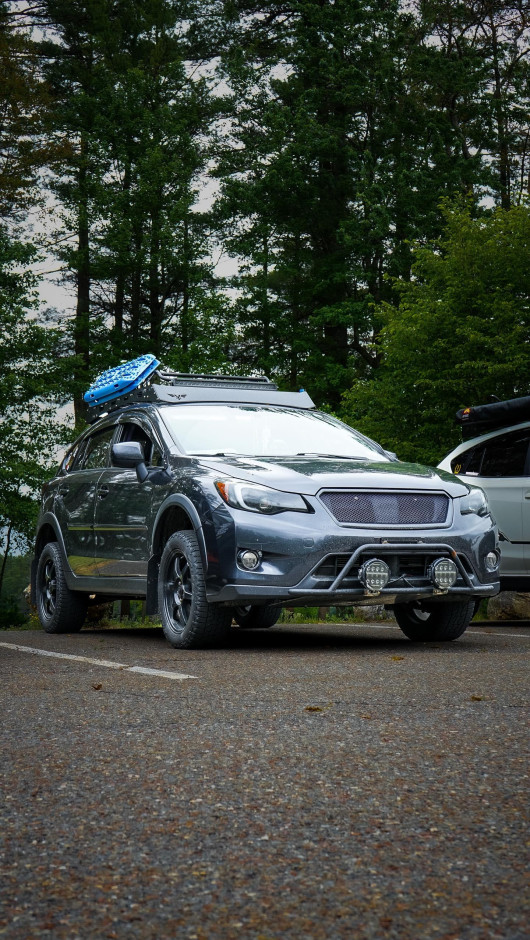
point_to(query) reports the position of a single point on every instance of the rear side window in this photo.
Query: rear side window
(96, 452)
(469, 461)
(502, 456)
(72, 458)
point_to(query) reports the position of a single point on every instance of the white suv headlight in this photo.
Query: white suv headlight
(255, 498)
(475, 501)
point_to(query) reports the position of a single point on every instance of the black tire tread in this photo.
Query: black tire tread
(446, 622)
(211, 623)
(257, 617)
(71, 606)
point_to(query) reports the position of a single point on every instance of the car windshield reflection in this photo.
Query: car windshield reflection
(263, 431)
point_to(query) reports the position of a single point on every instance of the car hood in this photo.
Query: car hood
(310, 474)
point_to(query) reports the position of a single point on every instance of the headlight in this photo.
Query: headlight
(475, 501)
(257, 498)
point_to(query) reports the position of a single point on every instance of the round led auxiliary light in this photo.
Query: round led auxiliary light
(374, 575)
(249, 559)
(492, 561)
(443, 573)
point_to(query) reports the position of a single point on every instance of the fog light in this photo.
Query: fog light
(492, 561)
(249, 559)
(443, 573)
(374, 574)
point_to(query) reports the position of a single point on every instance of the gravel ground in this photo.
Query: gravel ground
(311, 782)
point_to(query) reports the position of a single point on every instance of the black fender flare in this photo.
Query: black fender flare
(49, 519)
(183, 502)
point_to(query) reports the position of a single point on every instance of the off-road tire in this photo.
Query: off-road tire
(60, 610)
(188, 620)
(432, 622)
(254, 618)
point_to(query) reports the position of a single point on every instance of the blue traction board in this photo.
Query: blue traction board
(122, 379)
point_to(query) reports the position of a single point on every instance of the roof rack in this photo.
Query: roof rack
(211, 380)
(133, 383)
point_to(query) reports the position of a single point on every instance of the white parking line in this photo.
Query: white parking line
(518, 636)
(392, 626)
(107, 663)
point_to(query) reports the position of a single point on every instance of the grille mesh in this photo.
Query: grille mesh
(378, 508)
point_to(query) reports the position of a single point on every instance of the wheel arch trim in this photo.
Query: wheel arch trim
(176, 501)
(50, 520)
(179, 501)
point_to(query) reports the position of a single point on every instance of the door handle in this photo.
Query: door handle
(62, 490)
(103, 491)
(527, 494)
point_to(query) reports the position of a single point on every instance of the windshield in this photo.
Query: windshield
(264, 431)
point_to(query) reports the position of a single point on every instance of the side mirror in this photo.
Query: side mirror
(130, 456)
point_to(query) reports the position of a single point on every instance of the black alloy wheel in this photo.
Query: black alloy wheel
(60, 609)
(188, 620)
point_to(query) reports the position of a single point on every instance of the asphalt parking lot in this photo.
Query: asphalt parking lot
(303, 782)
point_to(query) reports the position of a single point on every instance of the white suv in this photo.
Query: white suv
(498, 461)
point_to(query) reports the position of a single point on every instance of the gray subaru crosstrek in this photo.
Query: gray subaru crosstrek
(217, 499)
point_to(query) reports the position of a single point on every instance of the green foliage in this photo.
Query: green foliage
(332, 130)
(459, 335)
(23, 101)
(350, 122)
(30, 380)
(13, 604)
(136, 110)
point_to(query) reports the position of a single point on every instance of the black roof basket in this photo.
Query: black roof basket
(492, 417)
(211, 380)
(173, 388)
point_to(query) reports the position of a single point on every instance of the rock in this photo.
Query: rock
(509, 605)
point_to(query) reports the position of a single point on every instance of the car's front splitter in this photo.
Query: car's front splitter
(234, 595)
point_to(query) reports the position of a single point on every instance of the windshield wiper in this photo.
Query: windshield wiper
(219, 453)
(310, 453)
(233, 453)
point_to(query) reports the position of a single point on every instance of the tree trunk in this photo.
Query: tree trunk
(121, 273)
(502, 141)
(6, 554)
(136, 282)
(185, 311)
(266, 357)
(82, 314)
(155, 302)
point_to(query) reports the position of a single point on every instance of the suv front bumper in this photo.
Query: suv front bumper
(320, 588)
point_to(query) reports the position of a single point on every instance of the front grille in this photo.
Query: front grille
(411, 566)
(376, 508)
(332, 566)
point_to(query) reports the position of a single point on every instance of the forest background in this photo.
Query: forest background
(330, 192)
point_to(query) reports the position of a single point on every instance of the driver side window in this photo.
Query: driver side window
(96, 451)
(133, 432)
